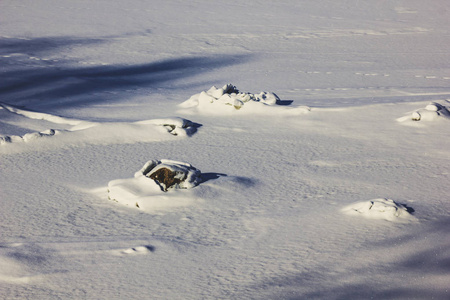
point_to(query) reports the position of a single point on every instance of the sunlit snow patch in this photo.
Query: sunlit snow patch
(432, 112)
(157, 185)
(228, 99)
(381, 209)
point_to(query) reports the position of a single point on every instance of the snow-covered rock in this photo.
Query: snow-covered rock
(382, 209)
(147, 190)
(170, 174)
(431, 112)
(229, 99)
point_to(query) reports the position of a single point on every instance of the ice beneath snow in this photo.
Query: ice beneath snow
(228, 99)
(380, 209)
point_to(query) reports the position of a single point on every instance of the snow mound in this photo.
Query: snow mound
(381, 209)
(228, 99)
(175, 126)
(138, 250)
(148, 189)
(431, 112)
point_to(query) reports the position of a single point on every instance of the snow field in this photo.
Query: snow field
(241, 208)
(265, 221)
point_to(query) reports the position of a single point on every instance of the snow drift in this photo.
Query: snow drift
(72, 130)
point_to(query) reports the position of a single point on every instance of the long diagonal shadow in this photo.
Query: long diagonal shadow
(55, 83)
(37, 46)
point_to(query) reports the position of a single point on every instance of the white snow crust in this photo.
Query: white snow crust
(356, 106)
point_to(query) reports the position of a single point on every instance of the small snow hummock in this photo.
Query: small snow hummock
(28, 136)
(150, 188)
(381, 209)
(228, 99)
(175, 126)
(431, 112)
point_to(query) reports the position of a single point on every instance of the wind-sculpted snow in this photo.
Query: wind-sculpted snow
(31, 263)
(229, 100)
(80, 131)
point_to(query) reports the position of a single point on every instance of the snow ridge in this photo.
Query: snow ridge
(100, 131)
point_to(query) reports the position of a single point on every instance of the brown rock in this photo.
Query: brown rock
(166, 178)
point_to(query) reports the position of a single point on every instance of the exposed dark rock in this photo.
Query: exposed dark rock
(167, 178)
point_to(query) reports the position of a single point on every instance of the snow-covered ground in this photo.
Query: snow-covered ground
(322, 152)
